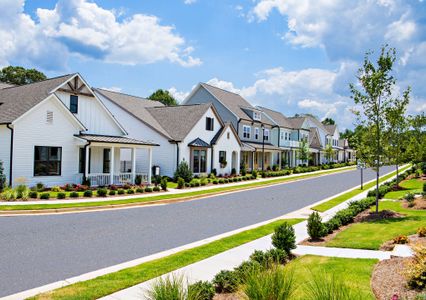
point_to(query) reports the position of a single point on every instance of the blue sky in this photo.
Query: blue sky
(290, 55)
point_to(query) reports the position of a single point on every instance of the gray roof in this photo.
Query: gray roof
(296, 122)
(330, 128)
(113, 139)
(314, 141)
(179, 120)
(260, 146)
(199, 143)
(4, 85)
(17, 100)
(317, 123)
(277, 117)
(137, 107)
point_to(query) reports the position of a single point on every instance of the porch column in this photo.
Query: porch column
(133, 164)
(252, 160)
(280, 154)
(86, 162)
(149, 165)
(111, 166)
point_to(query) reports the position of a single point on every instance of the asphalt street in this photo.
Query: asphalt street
(41, 249)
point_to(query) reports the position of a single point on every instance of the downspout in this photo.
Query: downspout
(11, 153)
(84, 167)
(238, 127)
(211, 158)
(177, 155)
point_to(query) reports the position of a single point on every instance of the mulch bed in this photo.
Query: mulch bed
(227, 297)
(387, 280)
(419, 203)
(412, 240)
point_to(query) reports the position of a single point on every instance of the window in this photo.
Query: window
(228, 135)
(246, 132)
(209, 124)
(47, 161)
(82, 160)
(266, 134)
(74, 104)
(222, 157)
(282, 135)
(256, 133)
(256, 116)
(107, 161)
(199, 161)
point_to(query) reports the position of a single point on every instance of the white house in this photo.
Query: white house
(192, 133)
(58, 131)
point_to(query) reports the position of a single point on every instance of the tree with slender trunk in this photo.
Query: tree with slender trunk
(329, 152)
(373, 97)
(303, 150)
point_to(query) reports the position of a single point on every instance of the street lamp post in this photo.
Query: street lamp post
(263, 148)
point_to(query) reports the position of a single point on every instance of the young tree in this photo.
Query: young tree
(329, 152)
(397, 126)
(2, 177)
(328, 121)
(374, 98)
(303, 150)
(164, 97)
(19, 75)
(416, 145)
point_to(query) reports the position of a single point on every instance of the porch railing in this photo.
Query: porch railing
(103, 179)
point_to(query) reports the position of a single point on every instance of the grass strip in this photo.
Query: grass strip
(352, 193)
(166, 196)
(110, 283)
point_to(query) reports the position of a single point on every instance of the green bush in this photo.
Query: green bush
(120, 192)
(324, 286)
(148, 190)
(183, 171)
(156, 189)
(169, 288)
(2, 177)
(226, 281)
(316, 228)
(33, 195)
(269, 258)
(246, 268)
(140, 190)
(40, 187)
(61, 195)
(163, 184)
(234, 171)
(44, 196)
(254, 174)
(180, 183)
(215, 181)
(221, 181)
(201, 290)
(74, 195)
(130, 191)
(284, 238)
(112, 192)
(88, 193)
(102, 192)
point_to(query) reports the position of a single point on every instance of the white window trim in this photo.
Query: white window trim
(256, 133)
(246, 133)
(257, 116)
(266, 134)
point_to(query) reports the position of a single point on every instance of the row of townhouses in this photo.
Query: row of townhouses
(62, 130)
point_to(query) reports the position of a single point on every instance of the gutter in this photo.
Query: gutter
(85, 150)
(177, 155)
(11, 153)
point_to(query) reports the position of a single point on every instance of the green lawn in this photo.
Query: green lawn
(165, 196)
(414, 185)
(342, 198)
(108, 284)
(370, 235)
(172, 185)
(355, 273)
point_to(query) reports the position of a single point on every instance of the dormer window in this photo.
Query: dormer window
(256, 116)
(74, 104)
(209, 124)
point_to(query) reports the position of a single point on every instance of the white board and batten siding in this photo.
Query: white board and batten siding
(228, 143)
(35, 130)
(163, 156)
(5, 149)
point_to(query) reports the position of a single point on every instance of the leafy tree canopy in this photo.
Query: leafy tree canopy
(328, 121)
(164, 97)
(19, 75)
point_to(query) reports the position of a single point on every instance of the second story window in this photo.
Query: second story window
(246, 132)
(209, 124)
(74, 104)
(256, 133)
(266, 135)
(256, 116)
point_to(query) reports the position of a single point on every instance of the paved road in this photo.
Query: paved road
(37, 250)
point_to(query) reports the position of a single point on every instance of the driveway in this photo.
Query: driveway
(37, 250)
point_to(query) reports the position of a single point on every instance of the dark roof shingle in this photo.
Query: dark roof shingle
(113, 139)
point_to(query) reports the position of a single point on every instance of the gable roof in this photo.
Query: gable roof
(179, 120)
(330, 128)
(199, 143)
(17, 100)
(314, 139)
(137, 107)
(222, 130)
(317, 123)
(297, 122)
(277, 117)
(113, 139)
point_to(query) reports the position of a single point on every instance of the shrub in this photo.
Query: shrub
(246, 268)
(416, 271)
(201, 290)
(156, 189)
(254, 174)
(55, 189)
(74, 195)
(332, 224)
(284, 238)
(40, 187)
(180, 183)
(221, 181)
(140, 190)
(102, 192)
(345, 216)
(269, 258)
(401, 239)
(33, 195)
(183, 171)
(167, 288)
(203, 181)
(138, 179)
(163, 184)
(316, 228)
(148, 190)
(88, 193)
(22, 191)
(2, 177)
(130, 191)
(215, 181)
(323, 286)
(45, 196)
(120, 192)
(421, 231)
(226, 281)
(112, 192)
(61, 195)
(277, 284)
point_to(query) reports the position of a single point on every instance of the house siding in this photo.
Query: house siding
(33, 130)
(252, 135)
(5, 149)
(229, 146)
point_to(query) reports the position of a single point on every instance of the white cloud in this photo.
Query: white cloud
(112, 89)
(188, 2)
(178, 95)
(86, 29)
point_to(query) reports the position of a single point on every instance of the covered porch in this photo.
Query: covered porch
(257, 156)
(112, 160)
